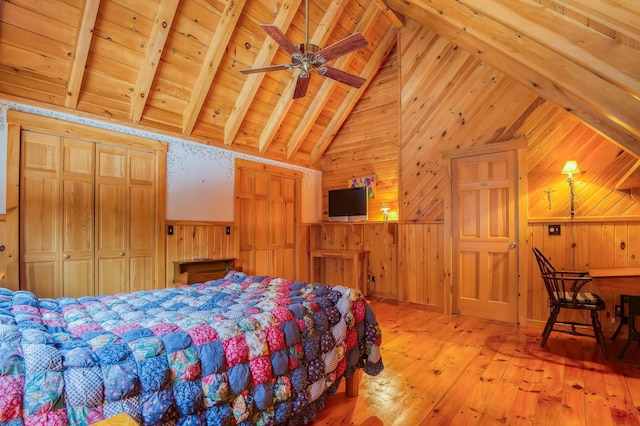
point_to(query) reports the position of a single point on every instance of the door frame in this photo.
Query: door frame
(519, 145)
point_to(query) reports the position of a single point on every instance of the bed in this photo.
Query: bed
(236, 351)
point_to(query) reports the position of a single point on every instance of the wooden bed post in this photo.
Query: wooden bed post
(353, 383)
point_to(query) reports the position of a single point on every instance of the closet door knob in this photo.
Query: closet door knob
(66, 256)
(121, 253)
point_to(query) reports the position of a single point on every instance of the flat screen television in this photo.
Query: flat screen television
(348, 205)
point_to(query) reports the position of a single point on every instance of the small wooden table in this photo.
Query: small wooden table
(358, 257)
(617, 280)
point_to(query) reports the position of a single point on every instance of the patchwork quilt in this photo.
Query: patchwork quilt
(242, 350)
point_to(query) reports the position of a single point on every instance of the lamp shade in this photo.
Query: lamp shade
(570, 168)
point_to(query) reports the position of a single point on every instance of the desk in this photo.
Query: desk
(617, 280)
(358, 257)
(621, 281)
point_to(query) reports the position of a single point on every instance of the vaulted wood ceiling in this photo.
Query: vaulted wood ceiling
(173, 65)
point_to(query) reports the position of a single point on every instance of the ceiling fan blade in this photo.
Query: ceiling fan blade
(265, 69)
(346, 45)
(341, 76)
(275, 33)
(301, 86)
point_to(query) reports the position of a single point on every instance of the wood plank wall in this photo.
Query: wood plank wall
(192, 240)
(368, 143)
(581, 245)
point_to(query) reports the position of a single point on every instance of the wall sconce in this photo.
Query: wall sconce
(571, 168)
(385, 210)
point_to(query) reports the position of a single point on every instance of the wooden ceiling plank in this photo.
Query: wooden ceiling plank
(395, 17)
(153, 53)
(324, 94)
(266, 54)
(623, 17)
(319, 38)
(373, 65)
(598, 103)
(211, 63)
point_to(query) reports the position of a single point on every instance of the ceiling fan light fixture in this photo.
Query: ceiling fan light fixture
(308, 57)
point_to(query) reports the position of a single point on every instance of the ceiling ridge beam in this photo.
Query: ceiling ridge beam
(322, 97)
(152, 54)
(211, 63)
(80, 55)
(267, 52)
(615, 14)
(374, 63)
(614, 62)
(605, 107)
(320, 37)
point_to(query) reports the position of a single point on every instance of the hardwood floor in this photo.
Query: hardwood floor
(443, 370)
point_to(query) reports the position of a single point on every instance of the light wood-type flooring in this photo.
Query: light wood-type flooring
(444, 370)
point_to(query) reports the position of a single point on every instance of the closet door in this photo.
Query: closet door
(141, 220)
(77, 217)
(56, 222)
(111, 220)
(125, 219)
(40, 214)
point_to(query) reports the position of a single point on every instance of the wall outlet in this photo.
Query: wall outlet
(554, 229)
(618, 310)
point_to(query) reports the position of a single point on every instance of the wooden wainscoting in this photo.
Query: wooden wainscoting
(580, 246)
(192, 240)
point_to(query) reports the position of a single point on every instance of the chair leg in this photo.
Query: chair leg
(597, 330)
(553, 315)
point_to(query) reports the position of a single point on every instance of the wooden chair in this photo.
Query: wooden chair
(564, 290)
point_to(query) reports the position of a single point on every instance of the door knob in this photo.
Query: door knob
(66, 256)
(512, 246)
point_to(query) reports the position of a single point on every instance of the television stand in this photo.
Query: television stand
(359, 258)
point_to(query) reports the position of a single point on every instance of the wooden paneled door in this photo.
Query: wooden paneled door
(57, 198)
(267, 216)
(485, 268)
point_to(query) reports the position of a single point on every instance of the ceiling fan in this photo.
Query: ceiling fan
(309, 57)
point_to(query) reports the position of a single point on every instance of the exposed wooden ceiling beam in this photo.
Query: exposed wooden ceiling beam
(152, 54)
(373, 65)
(395, 17)
(324, 94)
(539, 64)
(211, 63)
(614, 62)
(85, 33)
(320, 37)
(622, 16)
(266, 54)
